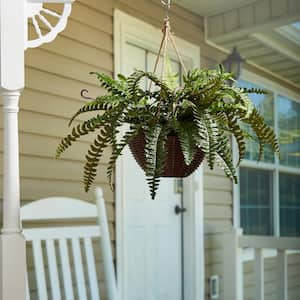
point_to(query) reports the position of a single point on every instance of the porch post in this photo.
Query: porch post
(12, 242)
(13, 42)
(11, 182)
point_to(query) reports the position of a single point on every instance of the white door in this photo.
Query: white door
(148, 232)
(153, 230)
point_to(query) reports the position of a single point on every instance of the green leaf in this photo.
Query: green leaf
(187, 135)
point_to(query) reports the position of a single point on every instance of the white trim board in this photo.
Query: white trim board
(129, 29)
(277, 89)
(269, 84)
(248, 254)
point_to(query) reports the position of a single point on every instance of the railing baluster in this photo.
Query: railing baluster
(233, 263)
(259, 274)
(282, 275)
(280, 246)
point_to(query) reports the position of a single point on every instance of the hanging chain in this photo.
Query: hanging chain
(167, 6)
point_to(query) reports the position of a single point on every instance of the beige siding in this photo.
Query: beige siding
(218, 201)
(217, 220)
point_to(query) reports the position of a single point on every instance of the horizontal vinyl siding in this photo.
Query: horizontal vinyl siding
(217, 220)
(55, 75)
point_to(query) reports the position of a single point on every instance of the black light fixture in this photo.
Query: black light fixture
(233, 63)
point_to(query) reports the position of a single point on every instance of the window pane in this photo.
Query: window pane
(256, 202)
(289, 193)
(289, 131)
(265, 105)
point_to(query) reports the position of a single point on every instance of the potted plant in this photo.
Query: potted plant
(170, 128)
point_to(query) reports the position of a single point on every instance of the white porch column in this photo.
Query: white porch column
(12, 242)
(282, 275)
(259, 285)
(11, 182)
(13, 42)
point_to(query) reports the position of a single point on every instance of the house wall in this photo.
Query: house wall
(55, 75)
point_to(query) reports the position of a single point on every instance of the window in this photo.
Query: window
(256, 201)
(269, 191)
(289, 195)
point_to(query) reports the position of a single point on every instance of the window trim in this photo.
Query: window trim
(277, 90)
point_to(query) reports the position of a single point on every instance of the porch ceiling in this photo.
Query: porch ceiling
(211, 7)
(271, 51)
(261, 29)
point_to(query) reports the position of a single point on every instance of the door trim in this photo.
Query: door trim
(130, 29)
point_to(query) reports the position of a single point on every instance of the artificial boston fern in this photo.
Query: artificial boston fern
(202, 114)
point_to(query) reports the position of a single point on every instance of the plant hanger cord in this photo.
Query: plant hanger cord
(167, 37)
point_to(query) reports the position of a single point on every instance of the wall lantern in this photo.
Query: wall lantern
(233, 63)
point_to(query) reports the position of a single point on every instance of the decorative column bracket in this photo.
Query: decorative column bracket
(45, 23)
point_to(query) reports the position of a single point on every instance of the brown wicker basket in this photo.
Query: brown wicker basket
(175, 165)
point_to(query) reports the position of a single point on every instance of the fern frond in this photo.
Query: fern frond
(254, 91)
(92, 159)
(101, 103)
(264, 132)
(136, 77)
(153, 183)
(224, 157)
(161, 156)
(78, 131)
(187, 135)
(118, 148)
(202, 133)
(151, 140)
(212, 130)
(208, 131)
(113, 86)
(238, 134)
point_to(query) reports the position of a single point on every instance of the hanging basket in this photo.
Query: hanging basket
(175, 165)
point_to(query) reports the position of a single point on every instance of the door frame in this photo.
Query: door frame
(130, 29)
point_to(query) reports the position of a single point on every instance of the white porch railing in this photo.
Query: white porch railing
(238, 248)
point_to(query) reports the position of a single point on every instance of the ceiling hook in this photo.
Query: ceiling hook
(167, 5)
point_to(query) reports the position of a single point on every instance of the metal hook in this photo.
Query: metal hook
(84, 93)
(167, 5)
